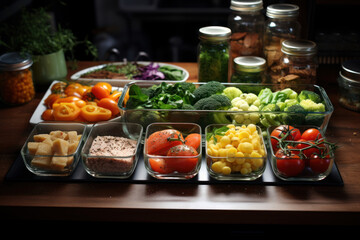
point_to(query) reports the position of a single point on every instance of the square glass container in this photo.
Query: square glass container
(53, 149)
(302, 168)
(112, 149)
(172, 167)
(239, 152)
(203, 118)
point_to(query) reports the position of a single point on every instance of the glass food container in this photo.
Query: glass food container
(112, 149)
(349, 83)
(165, 159)
(298, 64)
(301, 168)
(16, 83)
(213, 54)
(246, 22)
(281, 24)
(235, 152)
(263, 118)
(53, 149)
(249, 69)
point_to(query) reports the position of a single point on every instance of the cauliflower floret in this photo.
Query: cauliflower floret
(251, 98)
(240, 103)
(232, 92)
(246, 102)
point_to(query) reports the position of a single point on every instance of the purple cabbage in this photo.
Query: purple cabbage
(150, 72)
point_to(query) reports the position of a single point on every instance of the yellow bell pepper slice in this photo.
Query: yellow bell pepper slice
(93, 113)
(66, 111)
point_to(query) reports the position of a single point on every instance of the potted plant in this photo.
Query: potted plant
(31, 32)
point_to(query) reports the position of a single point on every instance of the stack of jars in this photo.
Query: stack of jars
(252, 46)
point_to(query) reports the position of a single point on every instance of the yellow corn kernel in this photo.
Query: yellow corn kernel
(252, 128)
(230, 159)
(246, 147)
(240, 161)
(226, 170)
(258, 162)
(222, 152)
(255, 154)
(217, 166)
(230, 126)
(225, 140)
(245, 171)
(231, 152)
(239, 154)
(244, 134)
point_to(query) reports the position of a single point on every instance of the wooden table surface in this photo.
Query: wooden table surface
(181, 202)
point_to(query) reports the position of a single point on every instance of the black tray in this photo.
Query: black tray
(19, 172)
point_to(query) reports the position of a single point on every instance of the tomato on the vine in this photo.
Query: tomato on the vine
(311, 134)
(193, 140)
(289, 164)
(294, 134)
(159, 143)
(158, 165)
(179, 163)
(319, 164)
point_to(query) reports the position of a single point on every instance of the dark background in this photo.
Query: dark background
(168, 29)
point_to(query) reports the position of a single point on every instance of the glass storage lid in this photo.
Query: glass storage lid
(298, 47)
(282, 10)
(246, 5)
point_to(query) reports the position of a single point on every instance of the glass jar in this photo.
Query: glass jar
(16, 83)
(298, 64)
(281, 24)
(249, 69)
(247, 27)
(213, 54)
(349, 85)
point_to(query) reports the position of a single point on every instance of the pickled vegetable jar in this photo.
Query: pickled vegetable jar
(298, 64)
(281, 24)
(247, 26)
(16, 83)
(349, 83)
(213, 54)
(249, 69)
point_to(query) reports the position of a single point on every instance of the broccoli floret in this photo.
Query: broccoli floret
(306, 94)
(270, 119)
(208, 89)
(187, 107)
(232, 92)
(291, 94)
(314, 119)
(187, 86)
(295, 116)
(214, 102)
(311, 106)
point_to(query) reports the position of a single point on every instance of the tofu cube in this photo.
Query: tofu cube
(40, 137)
(32, 147)
(60, 147)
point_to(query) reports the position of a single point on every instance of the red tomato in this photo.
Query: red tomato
(182, 165)
(158, 165)
(311, 134)
(289, 165)
(319, 164)
(101, 90)
(307, 149)
(159, 143)
(281, 131)
(193, 140)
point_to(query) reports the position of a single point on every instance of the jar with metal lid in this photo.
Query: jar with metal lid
(281, 24)
(247, 28)
(16, 83)
(349, 85)
(213, 54)
(249, 69)
(297, 65)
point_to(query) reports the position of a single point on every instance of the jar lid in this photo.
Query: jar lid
(214, 33)
(14, 61)
(351, 69)
(282, 10)
(298, 47)
(249, 64)
(246, 5)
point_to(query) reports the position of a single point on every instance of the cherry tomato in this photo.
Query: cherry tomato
(115, 95)
(193, 140)
(158, 165)
(75, 89)
(101, 90)
(159, 143)
(110, 104)
(182, 165)
(319, 164)
(311, 134)
(47, 115)
(289, 165)
(49, 101)
(281, 131)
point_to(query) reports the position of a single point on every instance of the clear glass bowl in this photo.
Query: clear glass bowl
(53, 149)
(223, 164)
(115, 152)
(314, 170)
(206, 117)
(173, 167)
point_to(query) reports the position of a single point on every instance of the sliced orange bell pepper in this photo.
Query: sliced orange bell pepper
(93, 113)
(66, 111)
(78, 101)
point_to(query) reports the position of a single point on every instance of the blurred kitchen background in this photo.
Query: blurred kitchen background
(167, 30)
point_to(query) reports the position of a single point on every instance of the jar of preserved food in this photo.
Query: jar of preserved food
(213, 54)
(16, 83)
(349, 83)
(249, 69)
(247, 27)
(281, 24)
(298, 63)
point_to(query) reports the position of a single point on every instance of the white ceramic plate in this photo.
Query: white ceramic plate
(123, 82)
(36, 117)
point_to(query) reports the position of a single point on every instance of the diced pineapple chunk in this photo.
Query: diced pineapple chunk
(58, 134)
(71, 136)
(32, 147)
(41, 162)
(58, 162)
(43, 149)
(40, 137)
(60, 147)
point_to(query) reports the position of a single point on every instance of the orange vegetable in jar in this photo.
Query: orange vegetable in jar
(101, 90)
(110, 104)
(93, 113)
(66, 111)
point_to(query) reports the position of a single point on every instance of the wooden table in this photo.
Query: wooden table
(234, 204)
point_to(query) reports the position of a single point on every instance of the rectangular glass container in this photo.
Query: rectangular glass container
(53, 154)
